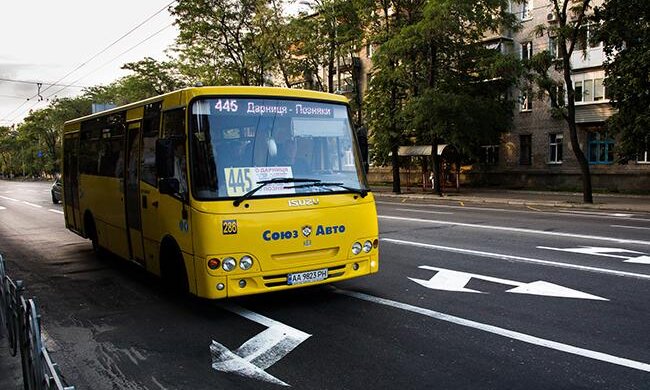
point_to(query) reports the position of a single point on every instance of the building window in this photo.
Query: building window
(557, 93)
(643, 157)
(589, 89)
(555, 148)
(601, 149)
(527, 100)
(525, 149)
(586, 32)
(526, 50)
(526, 9)
(490, 154)
(553, 47)
(369, 50)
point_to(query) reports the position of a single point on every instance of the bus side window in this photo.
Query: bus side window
(174, 128)
(150, 128)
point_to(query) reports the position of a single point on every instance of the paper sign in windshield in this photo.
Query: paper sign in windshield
(240, 180)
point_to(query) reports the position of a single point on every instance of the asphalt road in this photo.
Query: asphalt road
(466, 298)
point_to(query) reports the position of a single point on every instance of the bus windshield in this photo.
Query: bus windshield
(289, 146)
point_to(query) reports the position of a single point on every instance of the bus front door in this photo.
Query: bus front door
(132, 190)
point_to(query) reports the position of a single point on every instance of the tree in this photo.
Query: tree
(569, 32)
(388, 88)
(435, 81)
(218, 41)
(459, 87)
(625, 33)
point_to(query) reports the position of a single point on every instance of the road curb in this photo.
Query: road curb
(508, 201)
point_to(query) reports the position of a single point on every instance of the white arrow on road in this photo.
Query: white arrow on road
(450, 280)
(606, 252)
(260, 352)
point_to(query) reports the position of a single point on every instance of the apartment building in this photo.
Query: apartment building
(537, 152)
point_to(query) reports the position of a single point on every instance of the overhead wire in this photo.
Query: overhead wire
(87, 61)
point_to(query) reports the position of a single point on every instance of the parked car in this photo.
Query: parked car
(57, 190)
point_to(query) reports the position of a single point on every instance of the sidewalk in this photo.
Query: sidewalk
(11, 374)
(468, 196)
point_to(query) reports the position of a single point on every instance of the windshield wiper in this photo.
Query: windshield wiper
(362, 192)
(263, 183)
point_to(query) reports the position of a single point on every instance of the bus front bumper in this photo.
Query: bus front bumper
(243, 283)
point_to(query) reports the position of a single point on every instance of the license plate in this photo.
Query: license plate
(307, 277)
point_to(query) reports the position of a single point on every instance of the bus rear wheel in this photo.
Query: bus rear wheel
(91, 233)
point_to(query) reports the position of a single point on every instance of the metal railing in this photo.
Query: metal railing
(21, 324)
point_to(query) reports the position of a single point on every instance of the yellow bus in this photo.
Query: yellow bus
(225, 191)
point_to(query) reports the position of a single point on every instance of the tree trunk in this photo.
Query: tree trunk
(435, 168)
(395, 162)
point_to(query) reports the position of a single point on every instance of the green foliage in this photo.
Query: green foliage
(625, 32)
(221, 42)
(448, 87)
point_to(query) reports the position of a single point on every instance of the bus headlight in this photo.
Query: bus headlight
(367, 246)
(229, 264)
(246, 262)
(356, 248)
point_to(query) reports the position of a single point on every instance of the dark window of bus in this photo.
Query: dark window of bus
(174, 127)
(150, 129)
(111, 154)
(88, 149)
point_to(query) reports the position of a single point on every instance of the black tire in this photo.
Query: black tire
(54, 199)
(91, 233)
(172, 269)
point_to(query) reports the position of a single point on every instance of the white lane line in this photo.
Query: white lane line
(620, 215)
(425, 211)
(33, 205)
(630, 227)
(2, 208)
(603, 357)
(519, 259)
(8, 198)
(453, 207)
(55, 211)
(517, 230)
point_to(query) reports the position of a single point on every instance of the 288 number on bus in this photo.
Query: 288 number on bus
(238, 181)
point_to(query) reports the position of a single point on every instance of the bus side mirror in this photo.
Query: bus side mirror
(164, 158)
(169, 186)
(362, 138)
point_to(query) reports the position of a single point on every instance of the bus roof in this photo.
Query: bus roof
(193, 92)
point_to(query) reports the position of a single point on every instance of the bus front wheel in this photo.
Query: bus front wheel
(172, 268)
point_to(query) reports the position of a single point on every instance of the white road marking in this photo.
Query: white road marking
(519, 259)
(8, 198)
(260, 352)
(450, 280)
(631, 227)
(603, 357)
(605, 252)
(517, 230)
(425, 211)
(2, 208)
(621, 215)
(33, 205)
(55, 211)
